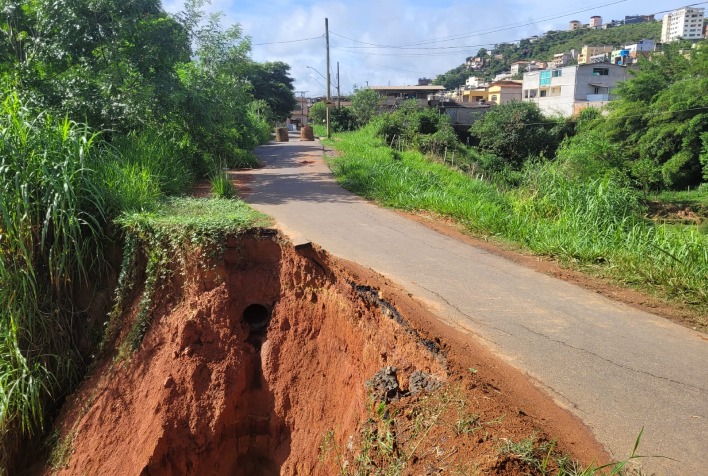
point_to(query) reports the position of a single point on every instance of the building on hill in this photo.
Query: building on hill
(595, 21)
(574, 25)
(568, 90)
(633, 19)
(560, 59)
(620, 57)
(503, 92)
(474, 82)
(685, 23)
(519, 67)
(476, 63)
(587, 51)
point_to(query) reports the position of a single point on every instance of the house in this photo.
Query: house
(395, 95)
(642, 46)
(587, 51)
(473, 82)
(574, 25)
(560, 59)
(685, 23)
(567, 90)
(502, 92)
(519, 67)
(476, 63)
(595, 22)
(474, 95)
(620, 57)
(632, 19)
(503, 75)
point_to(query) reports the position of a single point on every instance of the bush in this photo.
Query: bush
(365, 105)
(341, 119)
(589, 155)
(514, 132)
(680, 170)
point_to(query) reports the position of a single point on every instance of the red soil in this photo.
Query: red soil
(208, 394)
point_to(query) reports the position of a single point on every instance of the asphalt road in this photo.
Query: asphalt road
(617, 368)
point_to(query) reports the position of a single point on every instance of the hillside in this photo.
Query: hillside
(545, 47)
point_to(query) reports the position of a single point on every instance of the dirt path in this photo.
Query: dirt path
(616, 367)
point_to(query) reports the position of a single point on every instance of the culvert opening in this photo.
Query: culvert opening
(256, 317)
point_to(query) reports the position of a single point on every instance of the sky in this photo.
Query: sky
(428, 37)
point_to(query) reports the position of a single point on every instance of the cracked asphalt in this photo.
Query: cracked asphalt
(619, 369)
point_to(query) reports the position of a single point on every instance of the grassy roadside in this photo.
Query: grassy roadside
(596, 225)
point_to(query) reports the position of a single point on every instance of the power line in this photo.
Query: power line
(415, 46)
(479, 33)
(289, 41)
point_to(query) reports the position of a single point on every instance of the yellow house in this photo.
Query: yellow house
(589, 51)
(502, 92)
(475, 95)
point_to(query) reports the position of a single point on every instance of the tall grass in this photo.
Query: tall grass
(139, 168)
(592, 223)
(52, 209)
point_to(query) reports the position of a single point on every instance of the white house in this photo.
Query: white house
(565, 91)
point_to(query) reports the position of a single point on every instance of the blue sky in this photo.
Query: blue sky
(416, 27)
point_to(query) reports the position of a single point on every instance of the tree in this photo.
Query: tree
(272, 83)
(318, 112)
(454, 78)
(365, 105)
(513, 131)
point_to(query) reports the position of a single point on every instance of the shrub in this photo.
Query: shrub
(514, 131)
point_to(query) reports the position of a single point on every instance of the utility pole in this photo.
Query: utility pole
(339, 96)
(329, 92)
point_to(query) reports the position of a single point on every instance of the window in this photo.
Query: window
(556, 73)
(543, 93)
(600, 72)
(545, 78)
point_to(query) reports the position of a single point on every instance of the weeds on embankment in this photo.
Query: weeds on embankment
(439, 432)
(596, 224)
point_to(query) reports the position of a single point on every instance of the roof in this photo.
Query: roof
(408, 88)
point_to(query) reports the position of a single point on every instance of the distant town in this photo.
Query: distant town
(561, 85)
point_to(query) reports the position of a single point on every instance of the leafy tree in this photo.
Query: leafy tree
(341, 119)
(272, 83)
(109, 62)
(365, 104)
(454, 78)
(318, 112)
(513, 131)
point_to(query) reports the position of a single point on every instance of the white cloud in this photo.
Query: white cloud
(396, 22)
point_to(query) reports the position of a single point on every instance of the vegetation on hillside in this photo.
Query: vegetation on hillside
(545, 47)
(106, 108)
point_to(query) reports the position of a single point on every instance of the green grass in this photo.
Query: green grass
(52, 211)
(221, 186)
(595, 224)
(319, 130)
